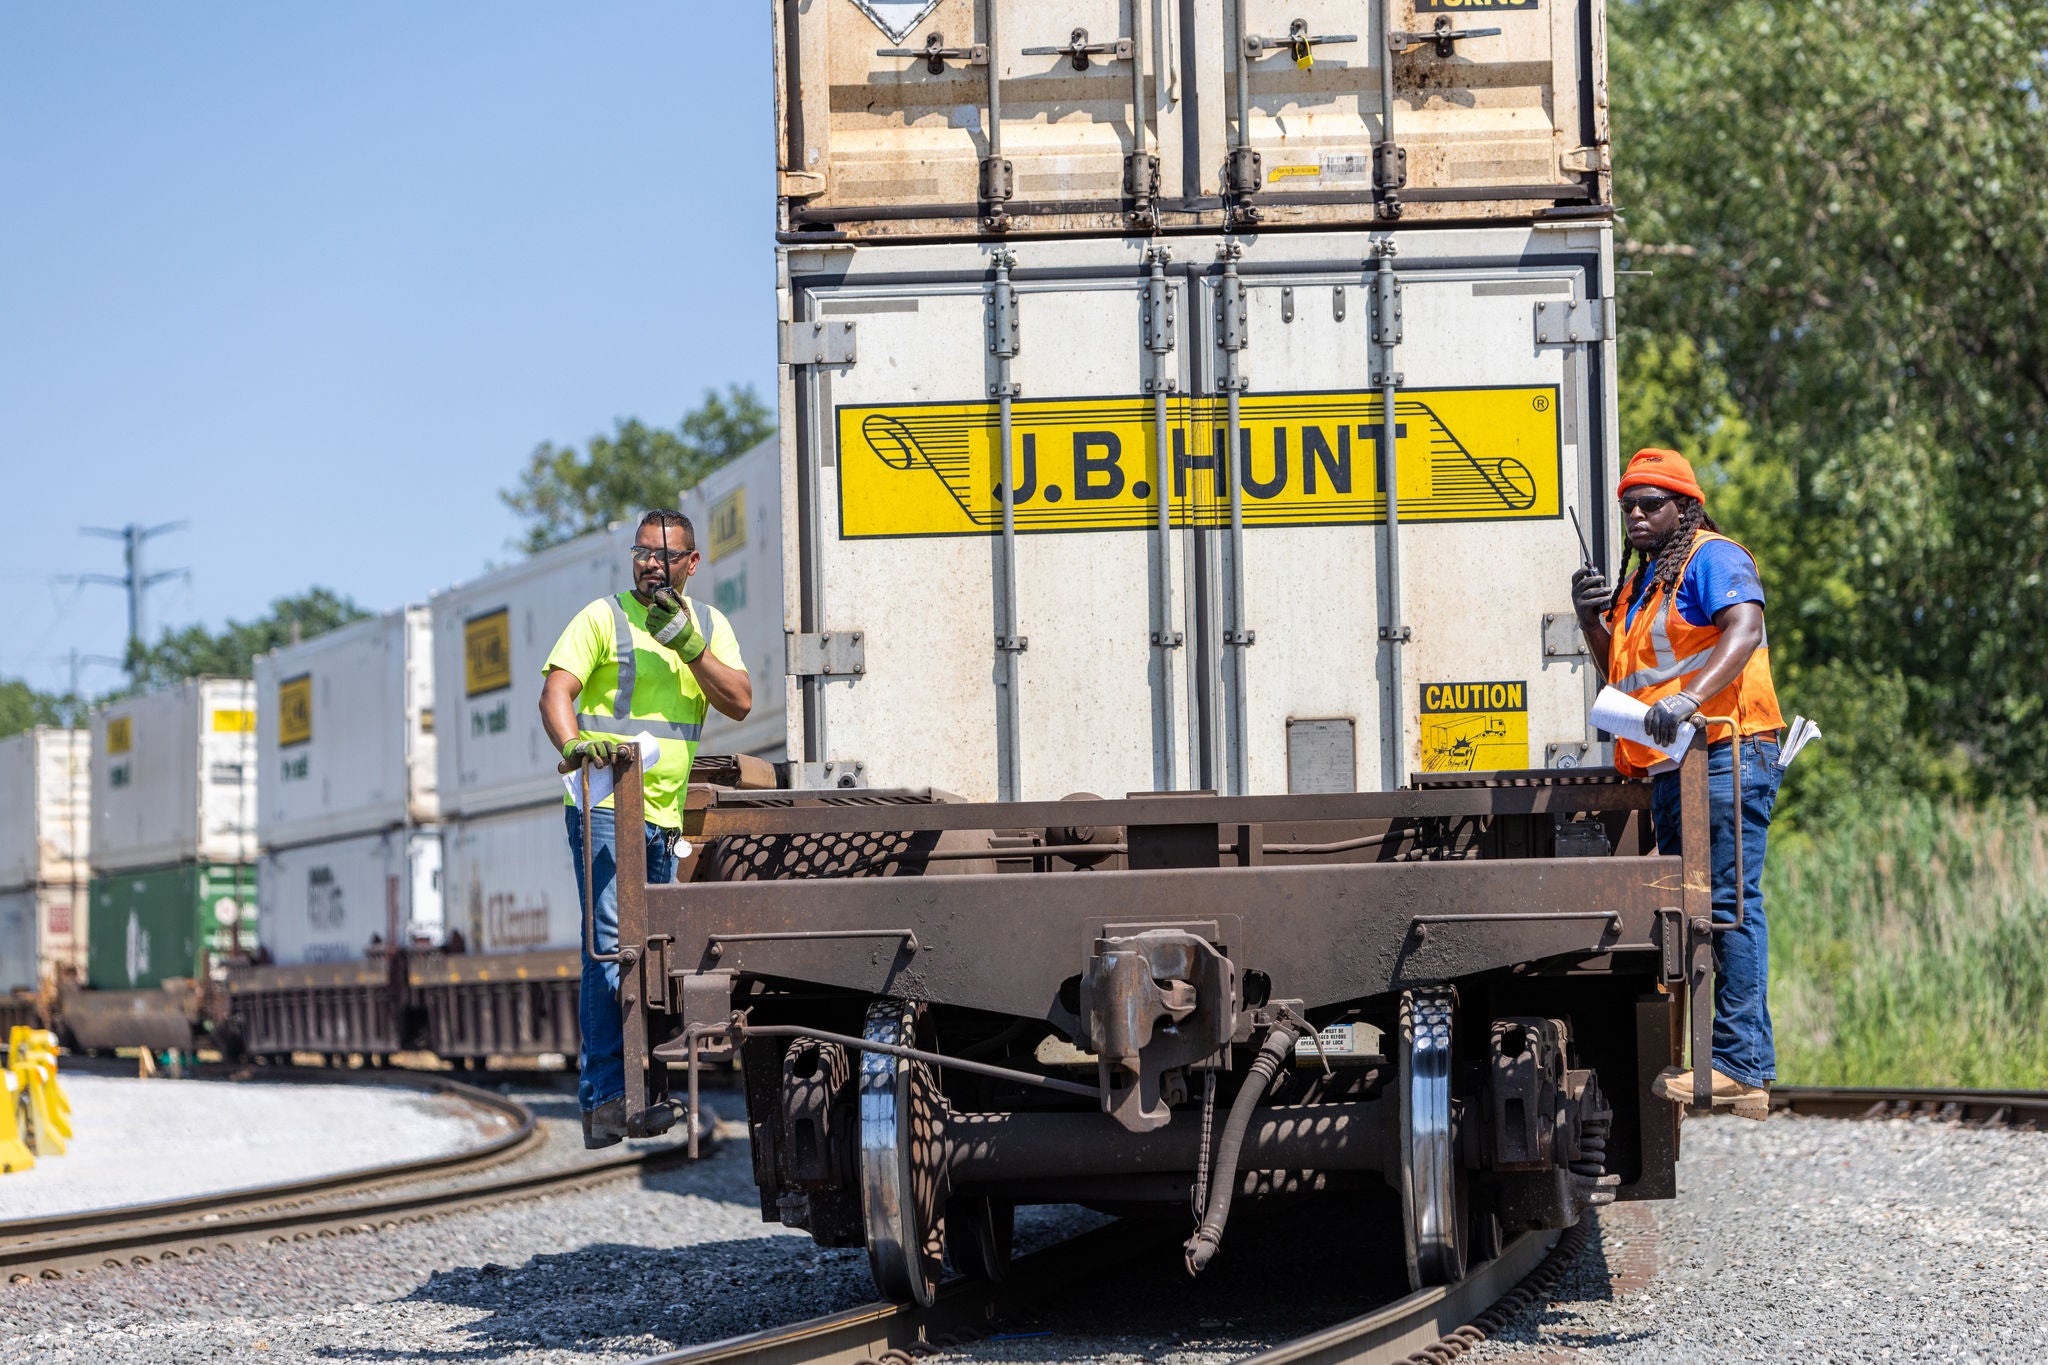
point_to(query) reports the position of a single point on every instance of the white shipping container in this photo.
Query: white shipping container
(1499, 110)
(737, 515)
(508, 883)
(491, 637)
(323, 902)
(18, 940)
(45, 793)
(1279, 658)
(346, 743)
(42, 932)
(174, 776)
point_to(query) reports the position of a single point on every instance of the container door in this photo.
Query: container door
(905, 523)
(877, 128)
(1490, 444)
(1496, 108)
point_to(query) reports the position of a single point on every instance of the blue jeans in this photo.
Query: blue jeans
(1742, 957)
(597, 1012)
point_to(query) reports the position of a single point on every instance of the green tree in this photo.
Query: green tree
(564, 492)
(1846, 210)
(228, 652)
(23, 708)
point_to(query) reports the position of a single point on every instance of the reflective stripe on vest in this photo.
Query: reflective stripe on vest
(660, 729)
(622, 721)
(1647, 649)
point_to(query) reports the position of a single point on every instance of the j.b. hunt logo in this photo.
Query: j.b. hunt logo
(1303, 459)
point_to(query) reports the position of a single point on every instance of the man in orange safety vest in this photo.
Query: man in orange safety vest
(1684, 634)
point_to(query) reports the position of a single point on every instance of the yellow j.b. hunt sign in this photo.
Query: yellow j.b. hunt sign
(1303, 459)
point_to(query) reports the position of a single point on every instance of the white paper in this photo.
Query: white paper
(601, 778)
(1620, 714)
(1802, 733)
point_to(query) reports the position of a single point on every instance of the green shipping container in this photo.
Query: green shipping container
(155, 924)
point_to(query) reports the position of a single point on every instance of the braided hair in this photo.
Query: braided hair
(1669, 556)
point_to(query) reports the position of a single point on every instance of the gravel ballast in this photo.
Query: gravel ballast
(1815, 1240)
(135, 1140)
(1820, 1239)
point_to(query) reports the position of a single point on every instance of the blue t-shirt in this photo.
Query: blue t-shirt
(1720, 575)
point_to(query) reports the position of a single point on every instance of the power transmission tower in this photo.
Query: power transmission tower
(137, 580)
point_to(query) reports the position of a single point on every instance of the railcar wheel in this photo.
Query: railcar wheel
(901, 1182)
(979, 1233)
(1435, 1204)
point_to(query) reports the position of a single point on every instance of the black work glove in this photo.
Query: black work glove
(594, 753)
(1666, 716)
(1591, 593)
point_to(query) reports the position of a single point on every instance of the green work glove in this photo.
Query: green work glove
(595, 753)
(671, 621)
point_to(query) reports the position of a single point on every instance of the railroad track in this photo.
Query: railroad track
(2027, 1109)
(896, 1333)
(1433, 1325)
(349, 1203)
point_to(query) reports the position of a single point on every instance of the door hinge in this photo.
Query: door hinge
(842, 774)
(827, 654)
(1559, 323)
(820, 342)
(1585, 160)
(1386, 308)
(1561, 637)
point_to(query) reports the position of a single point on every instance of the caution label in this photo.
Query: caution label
(120, 734)
(1303, 459)
(1469, 6)
(295, 710)
(487, 652)
(1469, 726)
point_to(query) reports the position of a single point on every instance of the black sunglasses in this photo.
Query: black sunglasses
(644, 553)
(1649, 504)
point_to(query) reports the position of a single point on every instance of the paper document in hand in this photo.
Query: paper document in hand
(601, 782)
(1620, 714)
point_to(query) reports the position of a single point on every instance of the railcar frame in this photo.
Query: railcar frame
(912, 986)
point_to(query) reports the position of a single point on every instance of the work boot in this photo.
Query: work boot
(1746, 1101)
(605, 1126)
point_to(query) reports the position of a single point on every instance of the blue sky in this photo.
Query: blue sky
(315, 277)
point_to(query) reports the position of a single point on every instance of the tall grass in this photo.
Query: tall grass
(1909, 946)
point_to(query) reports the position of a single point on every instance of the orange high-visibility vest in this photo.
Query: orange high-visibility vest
(1662, 652)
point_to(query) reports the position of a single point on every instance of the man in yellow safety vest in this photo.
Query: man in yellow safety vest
(649, 660)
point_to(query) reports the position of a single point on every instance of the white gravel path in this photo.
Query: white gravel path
(138, 1141)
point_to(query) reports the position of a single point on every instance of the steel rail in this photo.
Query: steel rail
(964, 1310)
(345, 1203)
(2022, 1109)
(119, 1247)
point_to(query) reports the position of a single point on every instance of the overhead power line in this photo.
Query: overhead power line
(138, 580)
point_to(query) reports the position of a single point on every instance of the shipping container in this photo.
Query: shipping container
(508, 885)
(737, 515)
(491, 638)
(346, 744)
(325, 902)
(174, 777)
(45, 787)
(20, 937)
(951, 117)
(152, 925)
(50, 921)
(1275, 636)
